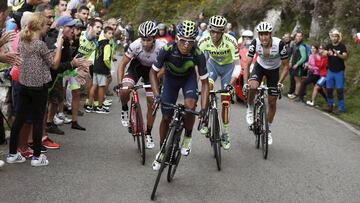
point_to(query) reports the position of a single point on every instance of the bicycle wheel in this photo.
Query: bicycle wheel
(215, 134)
(140, 132)
(264, 131)
(167, 151)
(256, 128)
(174, 156)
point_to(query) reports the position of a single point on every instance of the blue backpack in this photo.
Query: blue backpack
(308, 51)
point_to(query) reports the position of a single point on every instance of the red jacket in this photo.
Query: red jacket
(322, 63)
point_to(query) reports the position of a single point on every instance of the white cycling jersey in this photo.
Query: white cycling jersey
(135, 50)
(278, 52)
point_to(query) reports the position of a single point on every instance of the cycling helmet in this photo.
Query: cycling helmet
(264, 27)
(147, 29)
(217, 23)
(187, 29)
(247, 33)
(161, 26)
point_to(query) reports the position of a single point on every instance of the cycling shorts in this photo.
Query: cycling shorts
(272, 78)
(136, 71)
(171, 86)
(224, 71)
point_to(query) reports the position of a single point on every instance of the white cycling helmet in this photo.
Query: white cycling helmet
(264, 27)
(217, 23)
(247, 33)
(147, 29)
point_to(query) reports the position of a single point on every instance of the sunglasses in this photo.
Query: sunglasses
(186, 41)
(146, 39)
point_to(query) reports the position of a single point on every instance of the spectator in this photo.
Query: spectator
(163, 34)
(75, 4)
(201, 19)
(314, 72)
(34, 74)
(61, 9)
(321, 83)
(229, 30)
(83, 14)
(335, 78)
(297, 61)
(102, 67)
(202, 31)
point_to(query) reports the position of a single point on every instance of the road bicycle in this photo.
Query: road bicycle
(136, 121)
(171, 149)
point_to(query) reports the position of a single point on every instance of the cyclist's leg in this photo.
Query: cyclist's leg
(272, 78)
(189, 89)
(144, 73)
(226, 73)
(254, 81)
(171, 87)
(213, 72)
(130, 79)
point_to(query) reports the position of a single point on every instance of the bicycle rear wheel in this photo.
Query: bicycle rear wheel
(175, 156)
(167, 150)
(140, 132)
(264, 131)
(215, 135)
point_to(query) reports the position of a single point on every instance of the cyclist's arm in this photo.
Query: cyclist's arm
(155, 69)
(121, 68)
(250, 56)
(204, 77)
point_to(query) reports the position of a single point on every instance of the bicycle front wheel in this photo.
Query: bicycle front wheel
(256, 127)
(175, 156)
(264, 131)
(167, 152)
(215, 135)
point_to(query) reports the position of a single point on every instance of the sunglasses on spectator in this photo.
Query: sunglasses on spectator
(186, 41)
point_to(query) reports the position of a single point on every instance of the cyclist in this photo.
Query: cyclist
(222, 56)
(271, 53)
(141, 54)
(180, 59)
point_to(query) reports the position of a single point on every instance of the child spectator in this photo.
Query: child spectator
(321, 83)
(313, 70)
(102, 67)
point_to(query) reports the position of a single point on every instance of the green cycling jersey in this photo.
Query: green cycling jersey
(225, 53)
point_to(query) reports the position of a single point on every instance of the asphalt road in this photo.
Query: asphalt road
(313, 159)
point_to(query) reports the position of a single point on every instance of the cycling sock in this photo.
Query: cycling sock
(125, 107)
(226, 128)
(188, 133)
(269, 124)
(86, 101)
(148, 130)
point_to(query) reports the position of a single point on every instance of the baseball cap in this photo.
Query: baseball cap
(65, 21)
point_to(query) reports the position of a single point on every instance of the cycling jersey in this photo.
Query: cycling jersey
(181, 65)
(277, 53)
(135, 50)
(87, 47)
(225, 53)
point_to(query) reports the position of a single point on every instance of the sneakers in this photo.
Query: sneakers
(225, 141)
(63, 117)
(57, 120)
(39, 161)
(49, 144)
(292, 96)
(52, 128)
(270, 140)
(186, 147)
(89, 109)
(27, 154)
(101, 110)
(249, 116)
(107, 102)
(2, 163)
(310, 103)
(76, 126)
(149, 142)
(125, 118)
(15, 158)
(157, 162)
